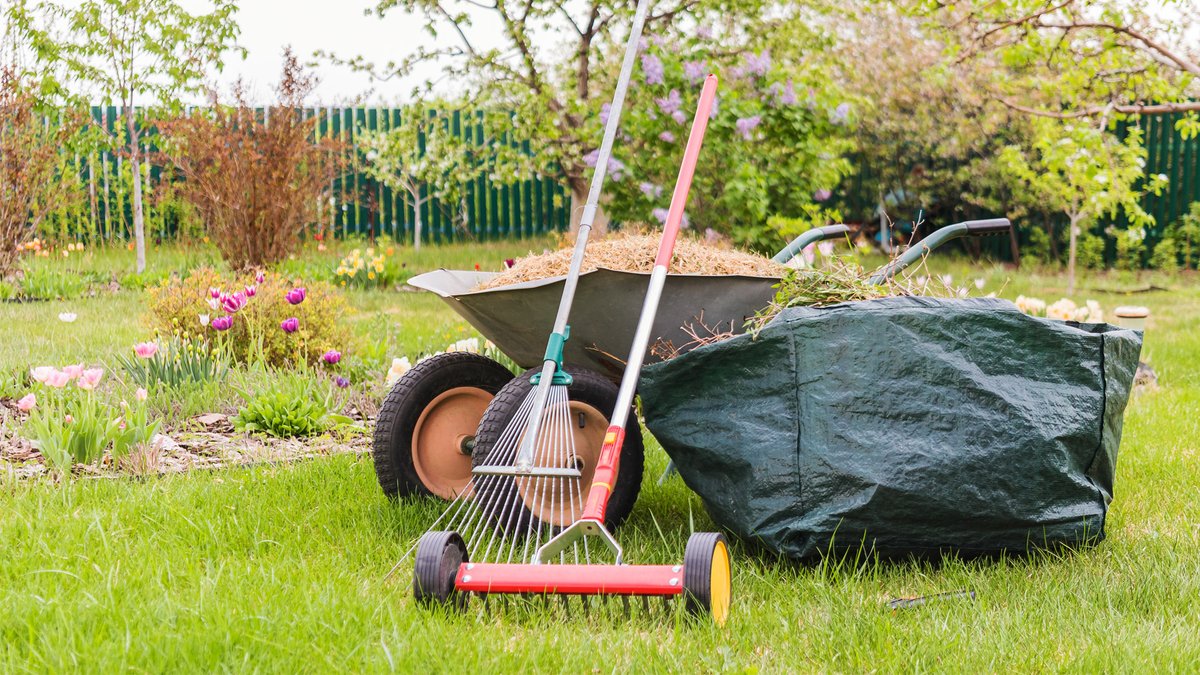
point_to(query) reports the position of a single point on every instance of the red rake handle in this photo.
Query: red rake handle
(610, 452)
(683, 184)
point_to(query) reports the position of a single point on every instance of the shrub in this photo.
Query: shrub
(1165, 256)
(1090, 252)
(32, 182)
(1038, 246)
(1131, 246)
(255, 181)
(255, 334)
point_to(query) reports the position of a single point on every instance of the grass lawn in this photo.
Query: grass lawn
(283, 568)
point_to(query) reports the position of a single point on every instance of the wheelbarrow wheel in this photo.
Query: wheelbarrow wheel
(707, 586)
(592, 398)
(439, 555)
(426, 427)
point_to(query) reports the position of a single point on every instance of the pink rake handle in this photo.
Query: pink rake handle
(614, 437)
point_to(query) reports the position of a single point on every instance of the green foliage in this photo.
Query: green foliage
(1090, 255)
(255, 335)
(1186, 233)
(1131, 248)
(294, 405)
(370, 270)
(1038, 245)
(181, 358)
(1165, 256)
(68, 426)
(51, 282)
(775, 145)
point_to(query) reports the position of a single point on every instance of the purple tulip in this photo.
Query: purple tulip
(214, 292)
(251, 291)
(232, 303)
(259, 278)
(342, 382)
(290, 325)
(332, 356)
(296, 295)
(222, 322)
(509, 262)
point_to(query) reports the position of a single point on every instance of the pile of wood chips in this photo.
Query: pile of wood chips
(636, 253)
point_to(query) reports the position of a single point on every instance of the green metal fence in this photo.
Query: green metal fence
(360, 206)
(1179, 161)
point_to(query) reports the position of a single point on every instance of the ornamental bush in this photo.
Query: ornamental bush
(254, 332)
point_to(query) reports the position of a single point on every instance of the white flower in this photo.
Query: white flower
(203, 319)
(1031, 306)
(1102, 178)
(214, 303)
(400, 366)
(1094, 313)
(1063, 310)
(980, 282)
(947, 279)
(469, 345)
(67, 317)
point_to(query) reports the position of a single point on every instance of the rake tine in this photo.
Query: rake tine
(625, 604)
(646, 604)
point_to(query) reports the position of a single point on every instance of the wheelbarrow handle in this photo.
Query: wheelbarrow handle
(816, 234)
(974, 228)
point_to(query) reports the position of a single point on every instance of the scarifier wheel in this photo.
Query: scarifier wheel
(591, 396)
(707, 587)
(426, 426)
(439, 555)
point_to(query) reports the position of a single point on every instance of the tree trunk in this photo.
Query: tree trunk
(1071, 254)
(417, 222)
(139, 226)
(578, 201)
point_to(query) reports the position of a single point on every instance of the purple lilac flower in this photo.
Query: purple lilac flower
(746, 125)
(660, 214)
(670, 103)
(332, 356)
(604, 112)
(822, 194)
(592, 157)
(652, 69)
(758, 64)
(296, 295)
(712, 114)
(341, 382)
(290, 325)
(616, 169)
(711, 236)
(667, 137)
(840, 114)
(222, 322)
(679, 117)
(684, 222)
(704, 31)
(650, 189)
(695, 71)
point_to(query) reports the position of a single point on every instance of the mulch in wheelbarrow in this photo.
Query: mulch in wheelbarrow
(903, 425)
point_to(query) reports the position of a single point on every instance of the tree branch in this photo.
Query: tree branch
(1129, 109)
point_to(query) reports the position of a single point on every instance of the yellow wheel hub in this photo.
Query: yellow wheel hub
(721, 589)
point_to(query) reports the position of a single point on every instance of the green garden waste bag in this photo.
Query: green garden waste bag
(905, 425)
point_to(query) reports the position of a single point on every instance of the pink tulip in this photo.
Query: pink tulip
(68, 419)
(296, 295)
(73, 372)
(332, 356)
(290, 325)
(141, 394)
(145, 350)
(58, 379)
(214, 293)
(259, 278)
(42, 373)
(90, 378)
(222, 322)
(26, 404)
(251, 291)
(232, 303)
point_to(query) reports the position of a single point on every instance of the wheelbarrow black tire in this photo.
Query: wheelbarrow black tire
(458, 384)
(707, 586)
(594, 393)
(439, 555)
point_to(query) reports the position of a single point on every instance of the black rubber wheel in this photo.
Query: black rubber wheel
(426, 426)
(592, 398)
(707, 586)
(439, 555)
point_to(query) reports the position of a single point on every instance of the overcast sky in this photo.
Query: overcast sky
(338, 26)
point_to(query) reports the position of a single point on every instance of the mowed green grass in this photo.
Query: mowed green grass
(283, 568)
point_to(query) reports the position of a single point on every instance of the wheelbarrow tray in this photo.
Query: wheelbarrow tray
(518, 318)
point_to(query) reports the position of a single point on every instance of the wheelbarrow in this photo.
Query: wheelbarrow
(450, 407)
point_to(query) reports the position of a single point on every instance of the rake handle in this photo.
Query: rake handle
(610, 452)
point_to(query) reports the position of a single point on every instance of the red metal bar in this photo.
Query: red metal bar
(684, 183)
(570, 579)
(605, 474)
